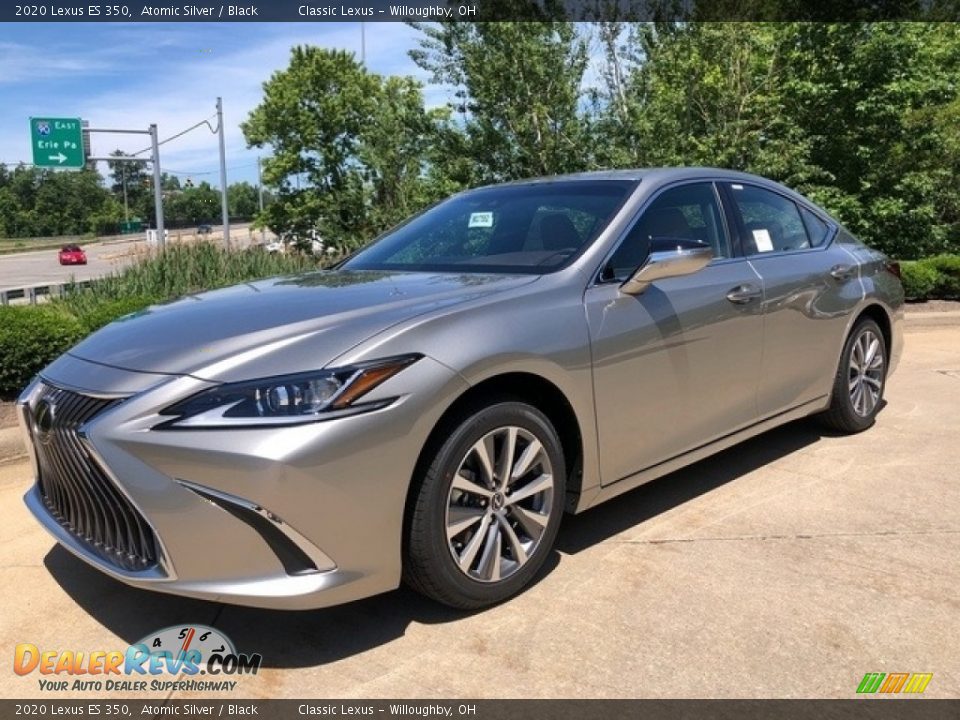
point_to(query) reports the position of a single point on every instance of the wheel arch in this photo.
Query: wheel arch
(522, 386)
(877, 313)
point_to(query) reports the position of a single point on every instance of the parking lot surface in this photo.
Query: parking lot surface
(788, 566)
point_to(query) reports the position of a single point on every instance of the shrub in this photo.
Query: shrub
(947, 268)
(919, 279)
(30, 337)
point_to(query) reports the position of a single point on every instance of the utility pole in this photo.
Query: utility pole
(157, 189)
(126, 209)
(263, 231)
(363, 44)
(223, 175)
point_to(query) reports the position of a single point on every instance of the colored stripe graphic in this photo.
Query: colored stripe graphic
(871, 682)
(894, 682)
(918, 682)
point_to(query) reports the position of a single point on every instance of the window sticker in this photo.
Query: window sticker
(737, 186)
(481, 219)
(761, 237)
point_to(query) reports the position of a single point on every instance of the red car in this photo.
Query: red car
(72, 255)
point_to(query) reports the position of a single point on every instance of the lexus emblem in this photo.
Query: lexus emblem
(43, 415)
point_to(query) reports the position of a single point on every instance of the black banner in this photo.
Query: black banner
(476, 10)
(875, 709)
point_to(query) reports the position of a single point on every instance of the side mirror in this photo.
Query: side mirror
(663, 264)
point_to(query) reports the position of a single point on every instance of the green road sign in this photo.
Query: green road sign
(57, 142)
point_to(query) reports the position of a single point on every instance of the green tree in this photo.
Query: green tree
(38, 202)
(518, 90)
(242, 200)
(326, 119)
(131, 179)
(193, 205)
(856, 115)
(874, 101)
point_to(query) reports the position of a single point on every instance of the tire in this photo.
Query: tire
(502, 527)
(852, 410)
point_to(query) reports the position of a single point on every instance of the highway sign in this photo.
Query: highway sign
(57, 142)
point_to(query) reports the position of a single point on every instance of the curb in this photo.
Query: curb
(932, 319)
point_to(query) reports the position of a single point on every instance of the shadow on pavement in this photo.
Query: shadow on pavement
(316, 637)
(636, 506)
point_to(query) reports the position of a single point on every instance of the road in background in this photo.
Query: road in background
(41, 267)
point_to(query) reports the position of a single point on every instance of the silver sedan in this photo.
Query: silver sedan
(428, 410)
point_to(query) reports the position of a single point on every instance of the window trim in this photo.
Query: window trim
(736, 220)
(596, 275)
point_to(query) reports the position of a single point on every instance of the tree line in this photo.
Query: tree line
(862, 117)
(36, 202)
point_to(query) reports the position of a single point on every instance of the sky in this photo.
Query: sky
(128, 76)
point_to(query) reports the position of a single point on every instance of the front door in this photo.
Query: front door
(678, 365)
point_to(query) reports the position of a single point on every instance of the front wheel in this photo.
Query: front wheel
(861, 377)
(488, 509)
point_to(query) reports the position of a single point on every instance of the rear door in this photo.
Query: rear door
(676, 366)
(810, 287)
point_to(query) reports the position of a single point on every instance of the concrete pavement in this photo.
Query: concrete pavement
(788, 566)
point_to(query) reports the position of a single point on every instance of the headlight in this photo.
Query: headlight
(286, 399)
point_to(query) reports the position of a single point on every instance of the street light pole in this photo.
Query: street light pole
(223, 175)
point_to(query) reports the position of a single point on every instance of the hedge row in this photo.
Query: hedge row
(932, 278)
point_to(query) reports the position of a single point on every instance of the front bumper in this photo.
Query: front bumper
(298, 517)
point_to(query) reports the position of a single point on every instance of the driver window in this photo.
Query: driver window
(689, 212)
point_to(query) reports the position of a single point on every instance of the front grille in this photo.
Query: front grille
(77, 491)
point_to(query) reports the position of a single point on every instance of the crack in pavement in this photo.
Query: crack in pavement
(798, 536)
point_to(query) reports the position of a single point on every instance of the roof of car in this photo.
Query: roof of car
(661, 174)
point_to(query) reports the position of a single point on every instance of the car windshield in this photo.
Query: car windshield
(533, 228)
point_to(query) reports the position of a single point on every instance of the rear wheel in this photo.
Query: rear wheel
(488, 509)
(859, 384)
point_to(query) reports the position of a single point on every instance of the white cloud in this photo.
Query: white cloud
(180, 87)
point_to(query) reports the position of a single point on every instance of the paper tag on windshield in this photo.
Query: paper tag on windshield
(481, 219)
(762, 239)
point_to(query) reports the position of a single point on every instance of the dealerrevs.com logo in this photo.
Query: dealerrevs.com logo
(150, 664)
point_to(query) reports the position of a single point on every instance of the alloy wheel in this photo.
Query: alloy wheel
(499, 504)
(865, 380)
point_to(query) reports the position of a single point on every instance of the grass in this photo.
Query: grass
(175, 271)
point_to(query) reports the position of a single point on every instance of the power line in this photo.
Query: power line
(206, 172)
(206, 122)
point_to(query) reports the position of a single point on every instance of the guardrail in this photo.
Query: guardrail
(32, 294)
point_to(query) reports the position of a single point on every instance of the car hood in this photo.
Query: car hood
(280, 325)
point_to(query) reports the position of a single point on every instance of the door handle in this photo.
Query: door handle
(742, 294)
(841, 272)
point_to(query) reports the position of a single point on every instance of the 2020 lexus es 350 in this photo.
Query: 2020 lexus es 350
(429, 409)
